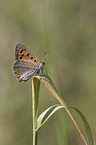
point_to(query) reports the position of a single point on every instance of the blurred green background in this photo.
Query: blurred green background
(68, 29)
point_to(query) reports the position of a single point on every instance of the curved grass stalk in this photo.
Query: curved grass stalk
(49, 84)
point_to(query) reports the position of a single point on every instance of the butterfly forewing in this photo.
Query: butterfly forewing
(23, 53)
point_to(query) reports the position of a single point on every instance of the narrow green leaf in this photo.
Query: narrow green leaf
(45, 79)
(51, 110)
(86, 125)
(47, 114)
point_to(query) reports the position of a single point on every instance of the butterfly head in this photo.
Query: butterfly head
(43, 63)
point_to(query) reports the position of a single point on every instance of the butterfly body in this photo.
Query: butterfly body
(26, 64)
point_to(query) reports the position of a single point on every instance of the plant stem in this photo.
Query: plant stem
(35, 96)
(34, 124)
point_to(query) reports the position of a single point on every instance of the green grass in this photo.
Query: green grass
(38, 123)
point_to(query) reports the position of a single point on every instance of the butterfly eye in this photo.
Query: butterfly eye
(44, 63)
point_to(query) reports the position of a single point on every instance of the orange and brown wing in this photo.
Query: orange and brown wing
(23, 53)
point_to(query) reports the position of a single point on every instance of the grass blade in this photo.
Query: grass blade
(45, 79)
(51, 110)
(86, 125)
(47, 114)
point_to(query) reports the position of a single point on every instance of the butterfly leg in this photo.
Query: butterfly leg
(41, 71)
(45, 71)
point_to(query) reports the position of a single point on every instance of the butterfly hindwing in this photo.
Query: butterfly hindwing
(23, 70)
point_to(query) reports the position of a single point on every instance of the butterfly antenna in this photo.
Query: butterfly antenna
(45, 53)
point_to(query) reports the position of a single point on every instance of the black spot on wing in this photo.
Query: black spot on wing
(28, 54)
(31, 57)
(20, 57)
(22, 54)
(21, 51)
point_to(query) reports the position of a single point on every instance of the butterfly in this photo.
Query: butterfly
(26, 65)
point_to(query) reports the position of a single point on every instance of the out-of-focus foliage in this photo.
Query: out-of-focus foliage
(68, 29)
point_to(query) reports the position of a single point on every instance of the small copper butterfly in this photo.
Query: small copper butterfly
(26, 64)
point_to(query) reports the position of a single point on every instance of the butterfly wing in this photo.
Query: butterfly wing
(23, 53)
(26, 64)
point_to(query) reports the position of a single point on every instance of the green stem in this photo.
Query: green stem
(35, 98)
